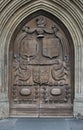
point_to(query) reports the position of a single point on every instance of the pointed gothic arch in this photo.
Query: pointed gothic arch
(45, 31)
(64, 14)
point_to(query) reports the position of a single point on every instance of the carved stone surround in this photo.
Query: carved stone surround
(70, 13)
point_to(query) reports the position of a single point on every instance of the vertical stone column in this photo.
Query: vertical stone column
(78, 102)
(82, 72)
(4, 103)
(0, 68)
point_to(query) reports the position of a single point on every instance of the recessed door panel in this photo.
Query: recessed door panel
(40, 70)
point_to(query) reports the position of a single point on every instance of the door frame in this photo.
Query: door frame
(72, 21)
(62, 26)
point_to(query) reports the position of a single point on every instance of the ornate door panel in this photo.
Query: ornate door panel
(40, 70)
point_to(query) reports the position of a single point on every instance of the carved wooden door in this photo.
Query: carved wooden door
(40, 70)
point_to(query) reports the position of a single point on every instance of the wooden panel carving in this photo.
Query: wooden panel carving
(40, 70)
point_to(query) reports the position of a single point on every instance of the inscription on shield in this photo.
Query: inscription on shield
(51, 47)
(41, 74)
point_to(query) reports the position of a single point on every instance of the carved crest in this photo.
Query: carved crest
(41, 74)
(28, 47)
(51, 47)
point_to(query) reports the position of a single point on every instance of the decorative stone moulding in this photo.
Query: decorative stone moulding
(69, 12)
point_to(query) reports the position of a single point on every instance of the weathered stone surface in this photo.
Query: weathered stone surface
(4, 109)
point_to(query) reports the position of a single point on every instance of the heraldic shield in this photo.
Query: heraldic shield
(51, 47)
(41, 74)
(27, 48)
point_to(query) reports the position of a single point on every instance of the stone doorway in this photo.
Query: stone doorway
(41, 68)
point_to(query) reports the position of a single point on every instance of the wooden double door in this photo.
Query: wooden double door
(40, 75)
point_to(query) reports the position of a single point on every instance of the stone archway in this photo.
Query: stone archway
(22, 9)
(41, 68)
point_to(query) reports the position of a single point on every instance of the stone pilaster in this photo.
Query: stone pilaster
(4, 102)
(78, 101)
(4, 106)
(0, 68)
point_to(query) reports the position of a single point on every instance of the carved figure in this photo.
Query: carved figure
(22, 73)
(60, 73)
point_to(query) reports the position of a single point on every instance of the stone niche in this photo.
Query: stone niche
(70, 14)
